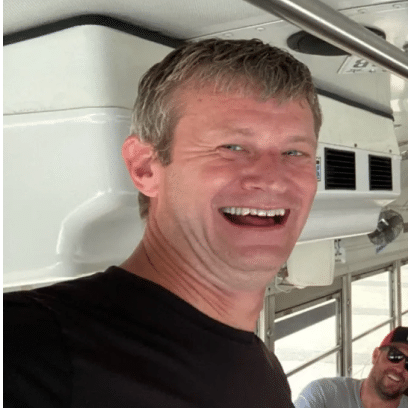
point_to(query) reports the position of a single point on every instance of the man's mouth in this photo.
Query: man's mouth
(255, 217)
(394, 377)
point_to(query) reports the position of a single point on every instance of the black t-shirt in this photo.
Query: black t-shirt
(116, 340)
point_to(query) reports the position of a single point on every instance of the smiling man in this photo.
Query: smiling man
(383, 388)
(228, 209)
(222, 151)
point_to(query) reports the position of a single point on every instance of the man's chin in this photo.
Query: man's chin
(388, 395)
(391, 397)
(258, 259)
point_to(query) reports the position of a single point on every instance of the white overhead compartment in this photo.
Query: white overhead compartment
(70, 207)
(82, 66)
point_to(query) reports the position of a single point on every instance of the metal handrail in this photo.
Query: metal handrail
(373, 329)
(330, 25)
(321, 356)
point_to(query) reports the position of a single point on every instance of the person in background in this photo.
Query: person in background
(383, 388)
(223, 152)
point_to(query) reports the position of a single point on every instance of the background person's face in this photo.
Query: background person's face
(390, 379)
(236, 152)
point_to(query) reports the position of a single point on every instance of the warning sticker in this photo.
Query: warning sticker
(358, 65)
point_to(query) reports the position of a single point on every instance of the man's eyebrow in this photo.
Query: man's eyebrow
(250, 132)
(304, 139)
(402, 352)
(247, 132)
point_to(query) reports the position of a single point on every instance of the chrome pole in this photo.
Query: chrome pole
(330, 25)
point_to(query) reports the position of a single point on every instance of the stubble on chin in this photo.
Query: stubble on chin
(385, 395)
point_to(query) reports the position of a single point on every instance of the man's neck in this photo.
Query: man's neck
(236, 308)
(371, 399)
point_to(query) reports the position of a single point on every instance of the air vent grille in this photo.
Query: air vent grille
(340, 169)
(380, 172)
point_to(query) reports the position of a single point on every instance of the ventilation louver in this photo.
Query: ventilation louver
(340, 170)
(380, 173)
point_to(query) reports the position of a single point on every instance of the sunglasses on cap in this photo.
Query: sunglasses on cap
(395, 356)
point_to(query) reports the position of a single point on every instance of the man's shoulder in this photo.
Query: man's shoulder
(40, 298)
(102, 298)
(333, 383)
(35, 342)
(36, 314)
(328, 392)
(335, 386)
(342, 381)
(32, 319)
(34, 352)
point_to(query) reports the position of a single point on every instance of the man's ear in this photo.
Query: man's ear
(142, 164)
(376, 354)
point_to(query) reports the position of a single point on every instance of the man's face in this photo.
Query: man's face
(390, 379)
(241, 182)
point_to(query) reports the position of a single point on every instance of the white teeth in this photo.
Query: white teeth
(245, 211)
(253, 211)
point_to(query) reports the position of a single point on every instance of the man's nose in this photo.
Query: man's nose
(265, 172)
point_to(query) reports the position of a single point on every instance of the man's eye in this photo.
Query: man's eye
(234, 148)
(293, 153)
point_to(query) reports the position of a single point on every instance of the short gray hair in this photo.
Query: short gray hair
(246, 66)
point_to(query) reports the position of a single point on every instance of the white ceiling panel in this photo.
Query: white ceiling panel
(191, 19)
(197, 17)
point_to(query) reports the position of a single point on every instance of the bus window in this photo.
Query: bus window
(370, 300)
(307, 341)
